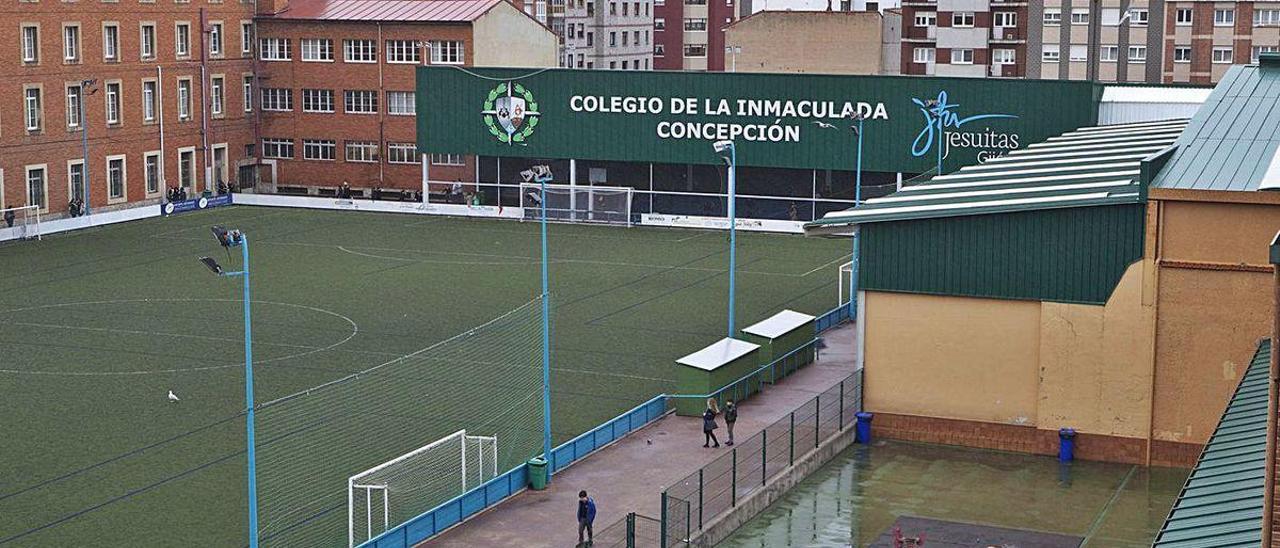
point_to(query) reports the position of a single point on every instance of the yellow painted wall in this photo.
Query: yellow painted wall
(505, 37)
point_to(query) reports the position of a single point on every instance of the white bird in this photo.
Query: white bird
(173, 397)
(824, 125)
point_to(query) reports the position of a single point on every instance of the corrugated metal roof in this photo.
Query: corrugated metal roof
(1221, 504)
(1232, 138)
(421, 11)
(1086, 167)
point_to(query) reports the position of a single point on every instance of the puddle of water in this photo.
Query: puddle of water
(858, 495)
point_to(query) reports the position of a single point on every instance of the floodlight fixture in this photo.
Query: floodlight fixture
(212, 265)
(723, 146)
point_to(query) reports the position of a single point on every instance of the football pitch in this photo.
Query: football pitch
(98, 325)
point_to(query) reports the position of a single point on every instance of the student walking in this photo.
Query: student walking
(586, 516)
(730, 417)
(709, 423)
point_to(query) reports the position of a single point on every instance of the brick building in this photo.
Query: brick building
(964, 38)
(164, 107)
(689, 34)
(1203, 39)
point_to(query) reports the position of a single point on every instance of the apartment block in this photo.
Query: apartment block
(154, 90)
(977, 38)
(689, 34)
(337, 84)
(1203, 39)
(608, 34)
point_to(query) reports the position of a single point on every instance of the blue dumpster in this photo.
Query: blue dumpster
(863, 428)
(1066, 444)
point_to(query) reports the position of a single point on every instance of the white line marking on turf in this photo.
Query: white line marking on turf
(826, 264)
(698, 235)
(355, 329)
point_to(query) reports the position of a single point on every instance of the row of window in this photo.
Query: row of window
(964, 56)
(1181, 54)
(33, 101)
(354, 101)
(627, 38)
(73, 43)
(115, 170)
(966, 19)
(353, 151)
(446, 52)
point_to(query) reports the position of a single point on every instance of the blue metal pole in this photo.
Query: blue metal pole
(84, 149)
(733, 228)
(248, 397)
(942, 137)
(546, 338)
(853, 261)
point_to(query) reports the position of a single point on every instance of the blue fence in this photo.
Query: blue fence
(585, 444)
(831, 318)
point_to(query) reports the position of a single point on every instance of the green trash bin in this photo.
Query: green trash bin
(537, 473)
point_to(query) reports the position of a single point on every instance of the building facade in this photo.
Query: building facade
(160, 90)
(859, 37)
(689, 34)
(1203, 39)
(616, 34)
(964, 38)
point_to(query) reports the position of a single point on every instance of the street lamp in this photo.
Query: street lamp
(89, 84)
(937, 113)
(541, 174)
(229, 239)
(722, 147)
(858, 118)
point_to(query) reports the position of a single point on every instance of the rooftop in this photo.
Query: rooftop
(719, 353)
(419, 11)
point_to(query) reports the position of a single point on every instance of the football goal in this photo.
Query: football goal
(842, 288)
(20, 223)
(397, 490)
(578, 203)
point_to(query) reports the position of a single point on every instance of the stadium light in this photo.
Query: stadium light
(90, 85)
(541, 174)
(858, 119)
(228, 239)
(730, 152)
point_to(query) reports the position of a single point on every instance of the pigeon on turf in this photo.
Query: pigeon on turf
(173, 397)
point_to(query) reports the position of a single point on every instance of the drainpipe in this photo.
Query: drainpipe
(1273, 389)
(164, 188)
(204, 96)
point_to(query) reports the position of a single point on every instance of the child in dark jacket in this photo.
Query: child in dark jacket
(586, 516)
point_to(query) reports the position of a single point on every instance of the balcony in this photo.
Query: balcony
(1007, 34)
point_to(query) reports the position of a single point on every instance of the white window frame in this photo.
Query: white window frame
(1051, 53)
(150, 99)
(1010, 19)
(1139, 20)
(276, 99)
(1224, 17)
(246, 38)
(124, 179)
(401, 103)
(30, 43)
(1226, 59)
(184, 99)
(71, 182)
(1137, 53)
(926, 19)
(403, 52)
(359, 101)
(1180, 20)
(110, 42)
(1255, 53)
(216, 39)
(959, 57)
(72, 45)
(1078, 53)
(963, 19)
(113, 102)
(320, 150)
(1004, 56)
(74, 103)
(1052, 17)
(275, 49)
(924, 55)
(1267, 17)
(1079, 16)
(1109, 54)
(147, 47)
(361, 152)
(182, 39)
(317, 100)
(44, 180)
(448, 52)
(317, 50)
(246, 86)
(1181, 49)
(402, 153)
(190, 176)
(455, 160)
(33, 108)
(217, 94)
(273, 147)
(147, 156)
(359, 50)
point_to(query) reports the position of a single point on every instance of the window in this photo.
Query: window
(30, 44)
(624, 36)
(1139, 17)
(1079, 53)
(317, 100)
(447, 160)
(613, 36)
(1109, 53)
(115, 177)
(184, 99)
(659, 23)
(624, 10)
(216, 95)
(613, 65)
(1224, 18)
(151, 171)
(695, 50)
(71, 43)
(659, 50)
(187, 167)
(113, 103)
(360, 51)
(148, 100)
(962, 57)
(1006, 19)
(926, 19)
(362, 151)
(591, 39)
(1266, 18)
(248, 93)
(277, 99)
(613, 8)
(73, 107)
(1182, 17)
(75, 178)
(246, 38)
(1052, 17)
(1138, 53)
(1222, 54)
(110, 42)
(1051, 53)
(962, 19)
(591, 9)
(401, 153)
(37, 187)
(319, 149)
(182, 39)
(923, 55)
(360, 102)
(277, 148)
(34, 112)
(1080, 16)
(317, 49)
(147, 41)
(447, 52)
(400, 103)
(215, 39)
(1182, 54)
(276, 49)
(691, 24)
(1256, 53)
(646, 36)
(402, 51)
(1003, 57)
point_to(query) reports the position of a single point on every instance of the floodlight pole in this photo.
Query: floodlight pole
(243, 242)
(857, 200)
(546, 329)
(84, 141)
(733, 227)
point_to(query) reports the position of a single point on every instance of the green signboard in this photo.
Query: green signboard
(776, 120)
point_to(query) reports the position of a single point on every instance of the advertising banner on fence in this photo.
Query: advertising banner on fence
(202, 202)
(776, 120)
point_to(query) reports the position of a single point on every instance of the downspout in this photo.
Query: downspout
(381, 98)
(164, 187)
(204, 97)
(253, 100)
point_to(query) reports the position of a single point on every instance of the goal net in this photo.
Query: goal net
(842, 288)
(578, 203)
(20, 223)
(397, 490)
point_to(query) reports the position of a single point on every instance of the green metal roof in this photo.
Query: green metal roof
(1221, 504)
(1087, 167)
(1233, 138)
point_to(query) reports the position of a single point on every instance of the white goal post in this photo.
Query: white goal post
(20, 223)
(578, 203)
(842, 288)
(397, 490)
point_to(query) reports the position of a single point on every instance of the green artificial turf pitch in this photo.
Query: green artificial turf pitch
(98, 325)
